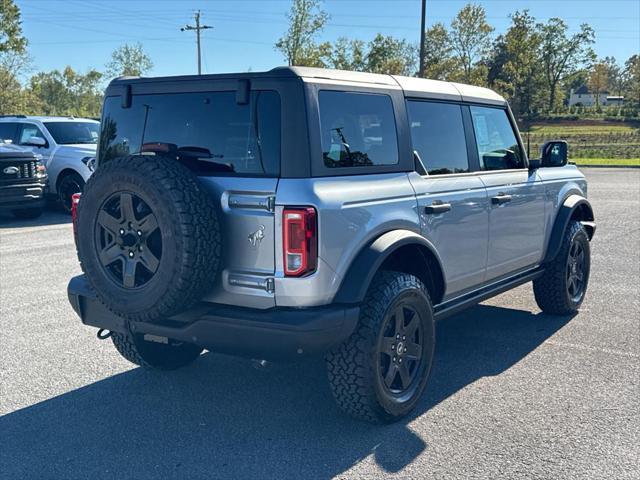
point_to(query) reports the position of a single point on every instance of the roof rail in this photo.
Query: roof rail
(14, 116)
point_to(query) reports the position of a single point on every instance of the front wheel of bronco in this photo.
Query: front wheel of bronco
(163, 356)
(562, 287)
(380, 372)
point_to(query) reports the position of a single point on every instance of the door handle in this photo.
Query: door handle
(436, 208)
(500, 199)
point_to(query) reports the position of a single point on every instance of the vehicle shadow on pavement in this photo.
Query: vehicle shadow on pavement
(48, 217)
(222, 418)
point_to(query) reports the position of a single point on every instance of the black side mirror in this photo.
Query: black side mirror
(554, 153)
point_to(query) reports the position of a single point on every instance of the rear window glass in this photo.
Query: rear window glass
(210, 132)
(358, 129)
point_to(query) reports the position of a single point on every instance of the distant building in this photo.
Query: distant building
(582, 97)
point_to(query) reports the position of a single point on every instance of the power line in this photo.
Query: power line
(197, 29)
(423, 19)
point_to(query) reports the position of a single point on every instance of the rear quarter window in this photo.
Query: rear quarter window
(209, 132)
(357, 129)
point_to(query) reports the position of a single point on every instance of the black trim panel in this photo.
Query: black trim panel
(459, 304)
(277, 333)
(569, 205)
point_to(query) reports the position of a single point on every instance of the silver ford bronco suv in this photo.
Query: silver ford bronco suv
(303, 211)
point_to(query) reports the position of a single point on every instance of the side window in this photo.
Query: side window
(437, 134)
(357, 129)
(498, 148)
(8, 132)
(29, 130)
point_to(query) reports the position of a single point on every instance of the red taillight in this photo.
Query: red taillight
(75, 199)
(300, 238)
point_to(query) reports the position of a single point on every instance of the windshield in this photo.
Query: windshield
(68, 133)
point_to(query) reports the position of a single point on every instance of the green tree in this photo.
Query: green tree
(439, 63)
(514, 68)
(471, 41)
(348, 54)
(306, 20)
(11, 38)
(391, 56)
(631, 80)
(563, 55)
(598, 80)
(14, 59)
(67, 92)
(614, 75)
(129, 60)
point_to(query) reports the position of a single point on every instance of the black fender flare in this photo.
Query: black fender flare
(574, 206)
(356, 282)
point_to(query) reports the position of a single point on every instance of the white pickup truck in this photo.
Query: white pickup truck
(67, 146)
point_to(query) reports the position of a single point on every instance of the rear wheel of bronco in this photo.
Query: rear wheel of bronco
(163, 356)
(380, 372)
(148, 237)
(561, 289)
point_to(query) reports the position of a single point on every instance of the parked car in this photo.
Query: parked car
(66, 144)
(303, 211)
(23, 182)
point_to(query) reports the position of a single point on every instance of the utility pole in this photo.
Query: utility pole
(197, 28)
(422, 28)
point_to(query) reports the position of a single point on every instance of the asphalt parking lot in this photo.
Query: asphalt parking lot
(513, 394)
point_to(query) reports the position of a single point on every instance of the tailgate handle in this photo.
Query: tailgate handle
(437, 207)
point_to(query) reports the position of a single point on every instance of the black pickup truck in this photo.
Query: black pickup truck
(23, 182)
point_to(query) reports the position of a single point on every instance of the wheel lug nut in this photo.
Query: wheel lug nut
(404, 338)
(130, 254)
(400, 360)
(398, 337)
(394, 359)
(122, 231)
(393, 347)
(140, 248)
(139, 233)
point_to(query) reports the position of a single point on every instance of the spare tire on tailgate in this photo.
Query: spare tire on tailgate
(148, 237)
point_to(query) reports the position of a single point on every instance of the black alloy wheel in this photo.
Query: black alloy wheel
(69, 185)
(400, 350)
(576, 263)
(128, 240)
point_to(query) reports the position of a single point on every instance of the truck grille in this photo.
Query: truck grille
(26, 169)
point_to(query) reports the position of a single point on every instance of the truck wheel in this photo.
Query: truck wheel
(27, 213)
(68, 185)
(379, 373)
(561, 289)
(163, 356)
(148, 237)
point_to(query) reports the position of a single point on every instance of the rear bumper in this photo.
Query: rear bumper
(278, 333)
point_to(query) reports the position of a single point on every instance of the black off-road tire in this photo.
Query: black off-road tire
(149, 354)
(190, 235)
(353, 366)
(551, 289)
(27, 213)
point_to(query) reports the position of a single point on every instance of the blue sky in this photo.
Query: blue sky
(83, 33)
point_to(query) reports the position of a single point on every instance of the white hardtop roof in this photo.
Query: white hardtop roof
(412, 86)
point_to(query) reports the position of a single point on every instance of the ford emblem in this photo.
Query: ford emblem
(11, 170)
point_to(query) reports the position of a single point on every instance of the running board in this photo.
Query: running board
(459, 304)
